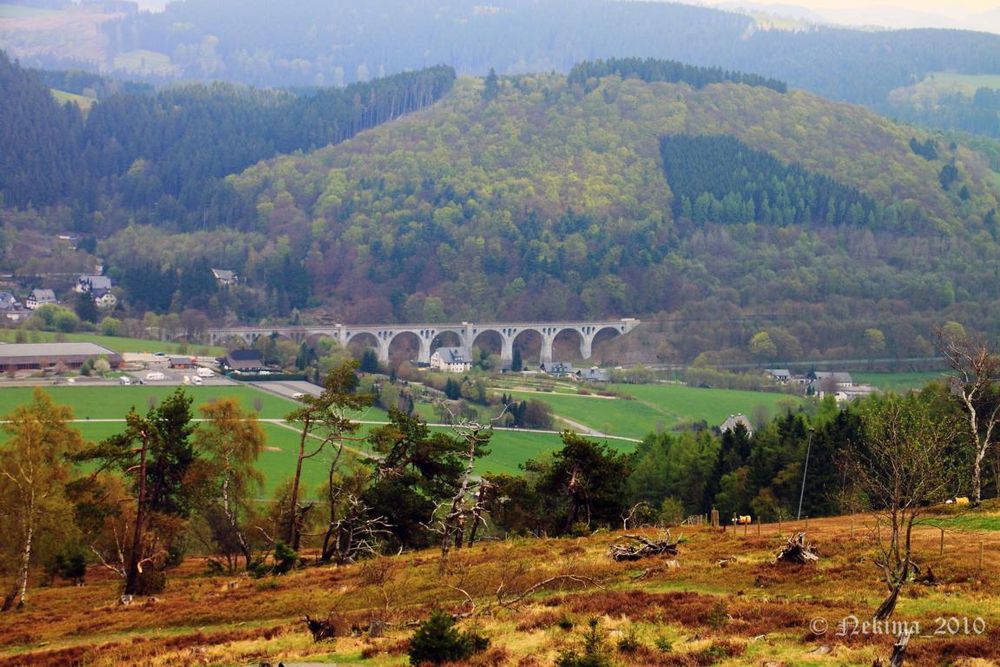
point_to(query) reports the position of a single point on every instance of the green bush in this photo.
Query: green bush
(70, 564)
(285, 560)
(437, 641)
(595, 650)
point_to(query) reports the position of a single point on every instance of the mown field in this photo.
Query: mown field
(508, 449)
(113, 343)
(656, 407)
(685, 612)
(898, 382)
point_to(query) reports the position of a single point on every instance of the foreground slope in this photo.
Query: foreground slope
(551, 201)
(747, 611)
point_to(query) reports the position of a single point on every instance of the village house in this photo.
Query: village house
(7, 301)
(40, 297)
(782, 375)
(224, 277)
(92, 284)
(736, 420)
(104, 299)
(451, 360)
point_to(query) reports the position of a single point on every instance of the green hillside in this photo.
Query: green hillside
(550, 201)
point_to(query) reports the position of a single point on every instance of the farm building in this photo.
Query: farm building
(181, 362)
(242, 360)
(34, 356)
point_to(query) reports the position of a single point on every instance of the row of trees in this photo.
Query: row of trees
(587, 74)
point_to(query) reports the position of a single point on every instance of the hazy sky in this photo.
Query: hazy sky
(967, 14)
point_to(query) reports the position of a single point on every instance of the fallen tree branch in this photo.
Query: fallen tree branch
(644, 549)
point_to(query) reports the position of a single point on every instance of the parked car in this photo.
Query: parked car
(196, 379)
(124, 380)
(206, 372)
(156, 375)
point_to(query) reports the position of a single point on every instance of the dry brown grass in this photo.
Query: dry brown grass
(749, 612)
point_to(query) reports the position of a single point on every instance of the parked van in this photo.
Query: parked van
(124, 380)
(206, 372)
(156, 375)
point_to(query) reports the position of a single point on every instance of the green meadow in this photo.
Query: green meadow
(656, 407)
(113, 343)
(114, 402)
(898, 382)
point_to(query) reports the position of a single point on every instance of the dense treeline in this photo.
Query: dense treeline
(163, 156)
(39, 140)
(89, 84)
(670, 71)
(720, 179)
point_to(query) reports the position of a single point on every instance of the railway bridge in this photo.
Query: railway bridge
(381, 336)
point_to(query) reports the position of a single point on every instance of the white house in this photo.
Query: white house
(451, 360)
(736, 420)
(224, 277)
(105, 299)
(86, 284)
(39, 297)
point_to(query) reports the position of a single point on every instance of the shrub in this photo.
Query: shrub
(718, 615)
(595, 650)
(70, 564)
(285, 560)
(629, 642)
(151, 581)
(671, 511)
(437, 641)
(663, 644)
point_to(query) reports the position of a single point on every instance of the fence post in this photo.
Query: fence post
(942, 542)
(758, 526)
(982, 548)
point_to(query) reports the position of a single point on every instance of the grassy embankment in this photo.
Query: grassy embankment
(687, 614)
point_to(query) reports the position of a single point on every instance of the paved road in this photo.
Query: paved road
(288, 388)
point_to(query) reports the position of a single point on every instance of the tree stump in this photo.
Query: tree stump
(797, 551)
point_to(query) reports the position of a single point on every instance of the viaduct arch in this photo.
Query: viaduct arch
(467, 332)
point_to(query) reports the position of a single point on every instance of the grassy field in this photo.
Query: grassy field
(22, 11)
(81, 101)
(114, 402)
(142, 61)
(679, 613)
(931, 88)
(898, 382)
(655, 407)
(509, 449)
(113, 343)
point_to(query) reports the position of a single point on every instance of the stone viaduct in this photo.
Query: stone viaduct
(382, 335)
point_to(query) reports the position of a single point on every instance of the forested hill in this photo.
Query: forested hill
(166, 152)
(548, 200)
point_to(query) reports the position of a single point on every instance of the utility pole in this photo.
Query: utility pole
(805, 471)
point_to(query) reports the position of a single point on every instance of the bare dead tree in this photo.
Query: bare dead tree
(903, 462)
(323, 422)
(976, 370)
(355, 534)
(452, 525)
